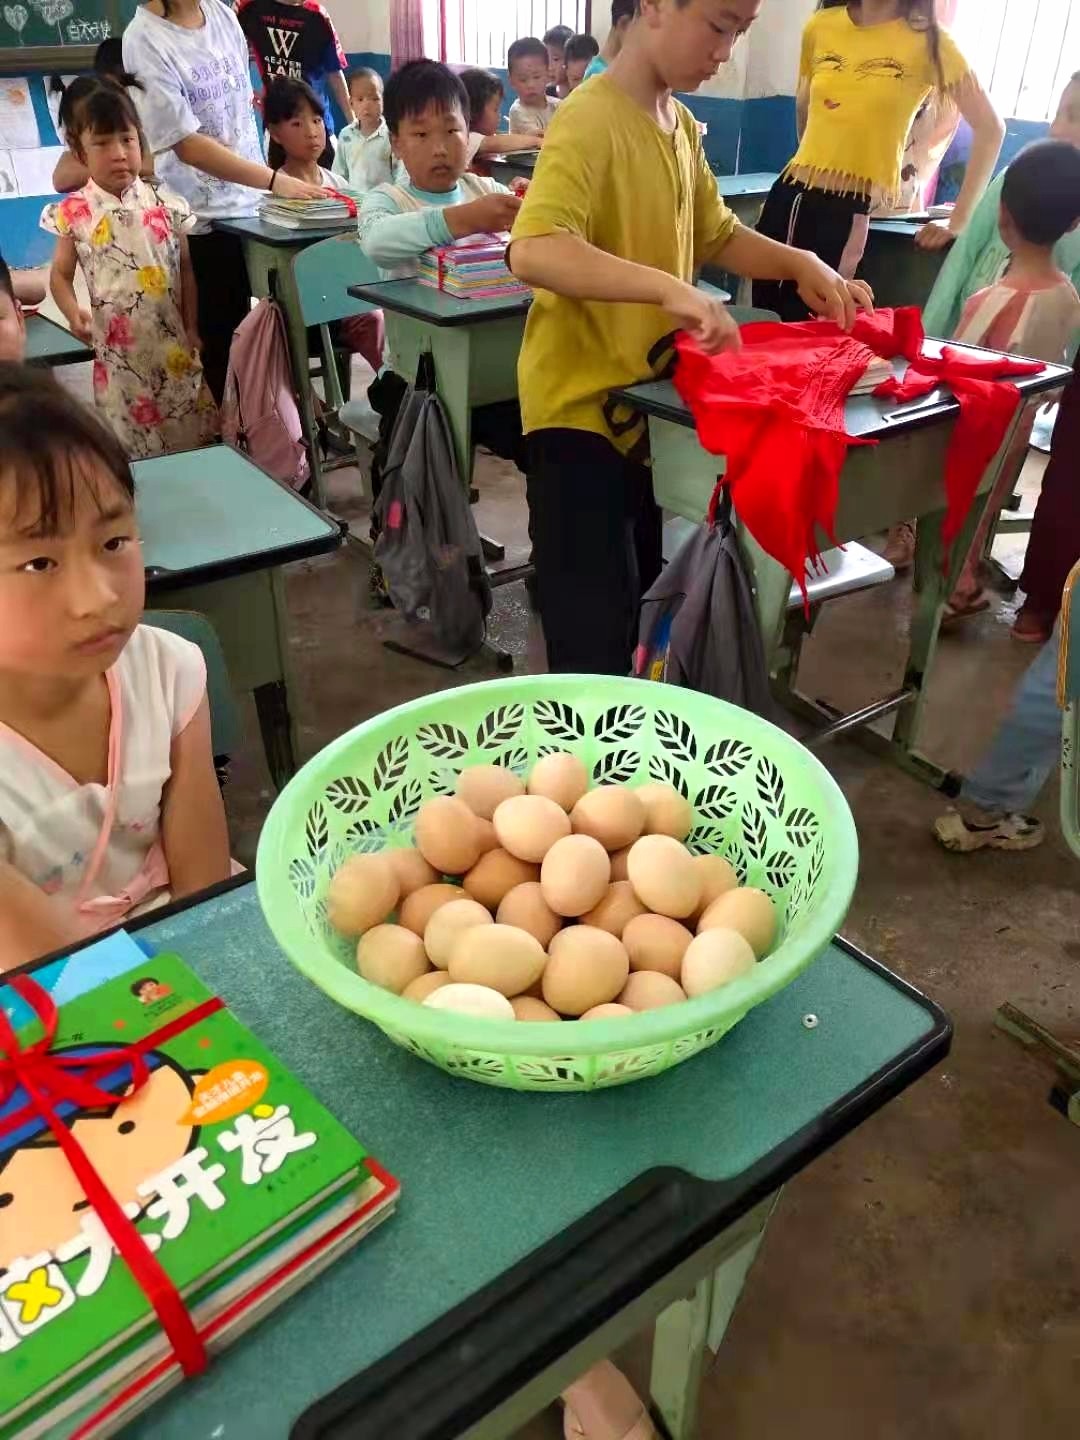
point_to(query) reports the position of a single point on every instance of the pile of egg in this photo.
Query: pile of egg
(565, 902)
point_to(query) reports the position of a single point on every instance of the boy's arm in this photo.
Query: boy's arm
(31, 924)
(61, 283)
(189, 296)
(194, 833)
(389, 237)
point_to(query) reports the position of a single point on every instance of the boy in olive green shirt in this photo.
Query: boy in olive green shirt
(622, 213)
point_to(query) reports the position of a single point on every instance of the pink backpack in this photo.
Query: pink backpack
(260, 413)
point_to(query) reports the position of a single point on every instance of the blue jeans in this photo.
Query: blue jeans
(1027, 745)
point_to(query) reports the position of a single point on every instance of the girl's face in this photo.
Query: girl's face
(69, 599)
(367, 102)
(113, 159)
(490, 117)
(1066, 124)
(302, 136)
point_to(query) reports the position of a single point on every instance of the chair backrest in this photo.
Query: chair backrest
(748, 314)
(323, 273)
(224, 716)
(1069, 654)
(1068, 696)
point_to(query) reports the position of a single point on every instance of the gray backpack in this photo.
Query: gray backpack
(429, 547)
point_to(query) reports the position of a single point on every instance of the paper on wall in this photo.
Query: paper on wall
(34, 168)
(9, 186)
(54, 99)
(18, 123)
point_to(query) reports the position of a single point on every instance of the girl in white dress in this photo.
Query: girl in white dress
(109, 802)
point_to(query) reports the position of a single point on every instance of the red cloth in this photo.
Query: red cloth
(775, 409)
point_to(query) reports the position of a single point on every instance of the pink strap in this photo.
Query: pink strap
(116, 736)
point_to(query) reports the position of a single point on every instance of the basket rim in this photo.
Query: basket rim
(443, 1029)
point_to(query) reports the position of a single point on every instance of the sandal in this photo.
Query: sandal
(957, 610)
(1030, 630)
(603, 1405)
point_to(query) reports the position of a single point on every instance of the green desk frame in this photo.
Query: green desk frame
(894, 267)
(535, 1233)
(216, 532)
(901, 478)
(50, 344)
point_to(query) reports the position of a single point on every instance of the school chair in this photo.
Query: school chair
(1069, 700)
(225, 730)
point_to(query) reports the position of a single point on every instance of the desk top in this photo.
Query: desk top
(628, 1181)
(898, 226)
(755, 182)
(211, 514)
(253, 227)
(436, 307)
(520, 160)
(50, 344)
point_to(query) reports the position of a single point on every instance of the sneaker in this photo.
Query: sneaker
(899, 548)
(964, 834)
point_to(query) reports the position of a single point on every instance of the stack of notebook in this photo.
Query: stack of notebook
(308, 214)
(472, 268)
(239, 1181)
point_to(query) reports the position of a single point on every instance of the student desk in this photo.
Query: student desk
(50, 344)
(894, 267)
(745, 194)
(216, 532)
(514, 165)
(269, 251)
(900, 478)
(535, 1234)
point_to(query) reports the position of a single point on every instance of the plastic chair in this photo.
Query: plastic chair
(1069, 700)
(225, 730)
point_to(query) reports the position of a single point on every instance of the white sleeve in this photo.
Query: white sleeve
(163, 107)
(475, 141)
(180, 673)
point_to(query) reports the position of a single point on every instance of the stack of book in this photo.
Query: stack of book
(324, 214)
(472, 268)
(237, 1179)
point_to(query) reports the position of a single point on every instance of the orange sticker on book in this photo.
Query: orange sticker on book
(225, 1091)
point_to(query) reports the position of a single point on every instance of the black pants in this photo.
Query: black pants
(814, 220)
(224, 300)
(596, 533)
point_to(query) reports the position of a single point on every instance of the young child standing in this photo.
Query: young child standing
(108, 798)
(363, 158)
(622, 16)
(555, 42)
(533, 110)
(128, 237)
(485, 92)
(613, 278)
(581, 50)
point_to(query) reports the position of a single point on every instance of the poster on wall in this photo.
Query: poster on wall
(34, 169)
(53, 98)
(9, 186)
(18, 124)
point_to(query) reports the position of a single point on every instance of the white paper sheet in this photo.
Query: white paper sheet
(54, 102)
(9, 186)
(18, 124)
(34, 168)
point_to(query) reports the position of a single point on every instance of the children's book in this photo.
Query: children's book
(239, 1181)
(473, 267)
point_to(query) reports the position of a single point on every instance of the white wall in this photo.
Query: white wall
(362, 24)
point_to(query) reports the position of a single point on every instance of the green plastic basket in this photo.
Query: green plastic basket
(760, 799)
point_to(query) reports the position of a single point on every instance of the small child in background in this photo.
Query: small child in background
(555, 42)
(364, 158)
(532, 111)
(127, 236)
(485, 92)
(581, 50)
(622, 17)
(12, 324)
(109, 802)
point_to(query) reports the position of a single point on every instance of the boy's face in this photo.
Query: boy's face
(366, 97)
(530, 78)
(556, 64)
(575, 72)
(1066, 124)
(433, 145)
(688, 43)
(12, 328)
(490, 118)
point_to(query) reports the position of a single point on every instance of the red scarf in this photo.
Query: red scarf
(775, 409)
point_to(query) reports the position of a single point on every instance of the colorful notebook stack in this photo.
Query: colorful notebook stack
(472, 268)
(242, 1186)
(334, 211)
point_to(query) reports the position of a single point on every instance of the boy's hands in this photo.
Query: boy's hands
(829, 294)
(702, 316)
(490, 212)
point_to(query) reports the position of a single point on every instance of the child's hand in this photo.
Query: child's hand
(82, 326)
(489, 213)
(532, 142)
(519, 185)
(828, 294)
(933, 236)
(286, 188)
(702, 316)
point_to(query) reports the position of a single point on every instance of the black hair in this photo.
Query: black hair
(480, 86)
(528, 48)
(626, 10)
(104, 110)
(7, 285)
(282, 101)
(362, 72)
(46, 439)
(581, 47)
(920, 15)
(146, 980)
(421, 83)
(558, 35)
(1041, 191)
(109, 62)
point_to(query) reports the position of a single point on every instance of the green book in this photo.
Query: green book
(240, 1181)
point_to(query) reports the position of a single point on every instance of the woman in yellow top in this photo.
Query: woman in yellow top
(866, 68)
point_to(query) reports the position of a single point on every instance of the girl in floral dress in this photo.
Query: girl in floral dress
(128, 237)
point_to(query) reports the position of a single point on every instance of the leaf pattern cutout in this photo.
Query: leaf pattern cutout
(500, 726)
(348, 795)
(770, 787)
(676, 737)
(780, 869)
(560, 721)
(302, 877)
(620, 723)
(365, 836)
(442, 782)
(666, 773)
(317, 830)
(801, 826)
(705, 840)
(406, 802)
(754, 830)
(817, 865)
(715, 802)
(736, 855)
(728, 757)
(444, 742)
(391, 764)
(516, 760)
(618, 767)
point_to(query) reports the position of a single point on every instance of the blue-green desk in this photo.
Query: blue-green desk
(900, 478)
(535, 1234)
(50, 344)
(745, 194)
(514, 165)
(216, 532)
(894, 267)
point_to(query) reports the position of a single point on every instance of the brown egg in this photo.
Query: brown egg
(653, 942)
(529, 825)
(420, 989)
(610, 814)
(494, 875)
(362, 894)
(586, 967)
(412, 870)
(526, 908)
(666, 811)
(530, 1010)
(391, 956)
(476, 1000)
(750, 912)
(495, 955)
(618, 907)
(447, 924)
(649, 990)
(664, 876)
(715, 958)
(574, 876)
(562, 778)
(611, 1011)
(485, 836)
(717, 878)
(618, 863)
(485, 787)
(422, 904)
(446, 835)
